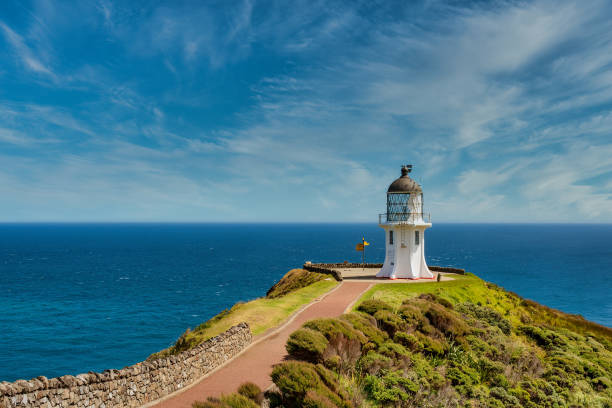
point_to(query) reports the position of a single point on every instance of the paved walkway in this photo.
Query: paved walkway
(255, 364)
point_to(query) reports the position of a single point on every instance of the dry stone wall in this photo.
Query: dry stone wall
(132, 386)
(331, 268)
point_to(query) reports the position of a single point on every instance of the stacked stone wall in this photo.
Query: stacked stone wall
(447, 269)
(324, 268)
(132, 386)
(332, 268)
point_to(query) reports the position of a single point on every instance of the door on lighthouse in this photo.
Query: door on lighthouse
(391, 248)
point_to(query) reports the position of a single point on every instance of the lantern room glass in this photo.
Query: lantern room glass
(398, 207)
(404, 207)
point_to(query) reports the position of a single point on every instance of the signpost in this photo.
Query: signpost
(361, 247)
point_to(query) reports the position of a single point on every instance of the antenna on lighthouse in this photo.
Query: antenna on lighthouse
(407, 168)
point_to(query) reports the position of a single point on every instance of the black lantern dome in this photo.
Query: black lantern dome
(404, 198)
(405, 184)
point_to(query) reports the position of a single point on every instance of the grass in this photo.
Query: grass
(293, 280)
(394, 294)
(470, 288)
(460, 343)
(261, 314)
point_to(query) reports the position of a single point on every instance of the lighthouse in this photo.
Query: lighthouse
(404, 224)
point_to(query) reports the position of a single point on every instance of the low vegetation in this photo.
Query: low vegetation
(461, 343)
(261, 314)
(293, 280)
(249, 395)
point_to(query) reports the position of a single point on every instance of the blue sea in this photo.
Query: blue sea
(88, 297)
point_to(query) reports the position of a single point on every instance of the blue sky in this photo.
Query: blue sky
(304, 110)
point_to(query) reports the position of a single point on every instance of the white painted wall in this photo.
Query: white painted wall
(404, 259)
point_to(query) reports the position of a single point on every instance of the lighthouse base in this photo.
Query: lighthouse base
(405, 252)
(393, 273)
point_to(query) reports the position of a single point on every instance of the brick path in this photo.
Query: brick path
(255, 364)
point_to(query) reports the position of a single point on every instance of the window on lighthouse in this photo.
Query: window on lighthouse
(416, 237)
(390, 237)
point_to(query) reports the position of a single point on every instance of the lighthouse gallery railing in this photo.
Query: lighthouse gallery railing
(403, 218)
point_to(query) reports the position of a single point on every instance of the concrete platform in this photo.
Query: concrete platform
(369, 275)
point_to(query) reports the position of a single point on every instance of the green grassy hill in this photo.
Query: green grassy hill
(460, 343)
(295, 290)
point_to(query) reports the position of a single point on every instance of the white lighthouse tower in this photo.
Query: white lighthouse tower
(404, 224)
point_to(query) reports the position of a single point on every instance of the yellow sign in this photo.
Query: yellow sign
(365, 242)
(359, 247)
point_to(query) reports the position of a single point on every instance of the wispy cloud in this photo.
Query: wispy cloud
(308, 109)
(28, 59)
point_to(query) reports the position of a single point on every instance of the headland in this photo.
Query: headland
(345, 339)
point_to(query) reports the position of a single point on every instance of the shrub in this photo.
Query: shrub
(499, 380)
(373, 362)
(431, 346)
(457, 353)
(477, 344)
(428, 354)
(389, 322)
(274, 398)
(182, 343)
(488, 369)
(601, 383)
(431, 297)
(329, 378)
(567, 363)
(410, 341)
(316, 400)
(367, 325)
(342, 353)
(333, 362)
(393, 350)
(507, 399)
(307, 344)
(462, 375)
(521, 395)
(372, 306)
(423, 372)
(418, 342)
(447, 321)
(369, 346)
(411, 314)
(541, 393)
(210, 403)
(331, 328)
(252, 392)
(389, 388)
(485, 314)
(293, 280)
(295, 379)
(544, 337)
(226, 401)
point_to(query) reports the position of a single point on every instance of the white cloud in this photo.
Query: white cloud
(24, 53)
(491, 103)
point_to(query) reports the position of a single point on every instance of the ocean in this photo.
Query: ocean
(88, 297)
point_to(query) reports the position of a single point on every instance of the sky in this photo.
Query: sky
(304, 111)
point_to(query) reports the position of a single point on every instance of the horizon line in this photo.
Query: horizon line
(291, 222)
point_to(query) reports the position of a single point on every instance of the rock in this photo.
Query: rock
(54, 383)
(44, 381)
(132, 386)
(68, 380)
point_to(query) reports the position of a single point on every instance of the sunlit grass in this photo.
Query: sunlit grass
(261, 314)
(470, 288)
